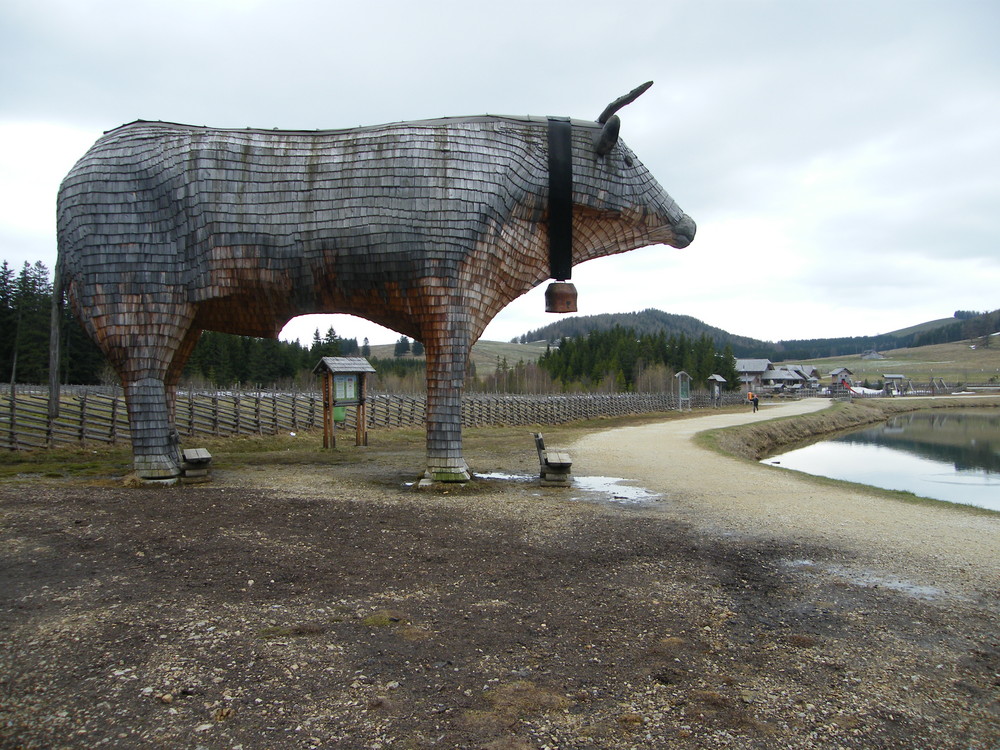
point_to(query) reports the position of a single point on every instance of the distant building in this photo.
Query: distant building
(782, 378)
(808, 373)
(752, 372)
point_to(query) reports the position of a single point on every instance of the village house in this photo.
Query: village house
(752, 372)
(762, 374)
(781, 378)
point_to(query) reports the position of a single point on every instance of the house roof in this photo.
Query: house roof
(783, 374)
(807, 370)
(752, 365)
(343, 364)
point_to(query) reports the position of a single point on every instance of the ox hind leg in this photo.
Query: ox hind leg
(447, 350)
(144, 352)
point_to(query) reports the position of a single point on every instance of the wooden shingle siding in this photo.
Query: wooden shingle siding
(429, 228)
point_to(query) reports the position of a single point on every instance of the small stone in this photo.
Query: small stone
(167, 698)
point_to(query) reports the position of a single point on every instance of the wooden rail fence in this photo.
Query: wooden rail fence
(99, 415)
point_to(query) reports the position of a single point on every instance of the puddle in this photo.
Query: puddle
(507, 477)
(612, 489)
(607, 489)
(870, 579)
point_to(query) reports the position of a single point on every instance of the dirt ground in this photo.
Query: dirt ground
(304, 602)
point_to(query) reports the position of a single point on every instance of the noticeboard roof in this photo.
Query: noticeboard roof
(343, 365)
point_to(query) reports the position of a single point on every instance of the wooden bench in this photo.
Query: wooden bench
(195, 466)
(554, 465)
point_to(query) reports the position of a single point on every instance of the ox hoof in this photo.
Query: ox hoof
(445, 475)
(156, 469)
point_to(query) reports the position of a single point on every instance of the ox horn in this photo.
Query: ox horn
(621, 101)
(608, 137)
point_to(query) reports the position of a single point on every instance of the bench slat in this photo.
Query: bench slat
(558, 458)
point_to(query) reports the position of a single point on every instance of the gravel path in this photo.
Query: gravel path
(905, 543)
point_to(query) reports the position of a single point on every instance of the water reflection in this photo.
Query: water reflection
(953, 456)
(967, 439)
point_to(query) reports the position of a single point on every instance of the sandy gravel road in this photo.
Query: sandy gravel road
(902, 544)
(307, 600)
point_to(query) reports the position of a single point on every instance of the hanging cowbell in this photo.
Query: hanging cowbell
(560, 297)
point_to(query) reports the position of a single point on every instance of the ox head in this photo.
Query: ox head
(602, 200)
(631, 189)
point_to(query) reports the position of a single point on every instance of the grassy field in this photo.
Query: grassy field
(956, 363)
(485, 353)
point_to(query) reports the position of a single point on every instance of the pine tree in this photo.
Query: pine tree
(402, 347)
(30, 346)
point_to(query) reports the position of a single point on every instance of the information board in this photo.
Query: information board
(345, 389)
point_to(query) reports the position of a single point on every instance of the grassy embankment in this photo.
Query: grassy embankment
(756, 441)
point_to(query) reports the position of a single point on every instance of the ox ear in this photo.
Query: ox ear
(608, 137)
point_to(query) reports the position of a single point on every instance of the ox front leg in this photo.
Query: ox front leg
(446, 361)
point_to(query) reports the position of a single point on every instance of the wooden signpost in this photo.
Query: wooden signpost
(344, 384)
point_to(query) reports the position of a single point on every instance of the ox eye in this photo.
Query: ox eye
(628, 160)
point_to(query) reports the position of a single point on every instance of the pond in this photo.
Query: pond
(945, 454)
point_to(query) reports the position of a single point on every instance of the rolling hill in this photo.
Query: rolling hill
(953, 361)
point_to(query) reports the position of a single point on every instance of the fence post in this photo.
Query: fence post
(13, 417)
(82, 432)
(113, 431)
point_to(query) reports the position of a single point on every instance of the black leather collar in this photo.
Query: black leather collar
(560, 198)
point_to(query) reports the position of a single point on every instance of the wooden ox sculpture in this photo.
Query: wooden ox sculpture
(430, 228)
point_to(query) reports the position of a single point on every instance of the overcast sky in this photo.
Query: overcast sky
(841, 159)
